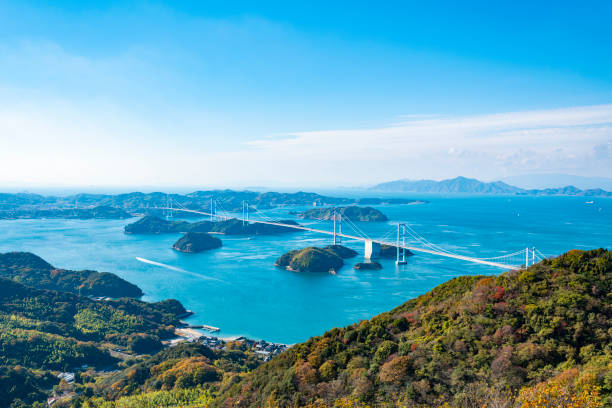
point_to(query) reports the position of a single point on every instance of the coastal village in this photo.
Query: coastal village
(263, 349)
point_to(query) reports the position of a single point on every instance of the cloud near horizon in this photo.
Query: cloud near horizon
(572, 140)
(65, 146)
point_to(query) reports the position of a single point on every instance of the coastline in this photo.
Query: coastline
(191, 334)
(188, 333)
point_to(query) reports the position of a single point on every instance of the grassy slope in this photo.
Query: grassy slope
(468, 341)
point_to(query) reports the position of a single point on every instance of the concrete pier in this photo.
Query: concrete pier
(372, 249)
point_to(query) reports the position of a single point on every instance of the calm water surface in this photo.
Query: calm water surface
(238, 289)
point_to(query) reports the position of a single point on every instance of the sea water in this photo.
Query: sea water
(238, 289)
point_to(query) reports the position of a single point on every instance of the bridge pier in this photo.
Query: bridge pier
(372, 249)
(401, 260)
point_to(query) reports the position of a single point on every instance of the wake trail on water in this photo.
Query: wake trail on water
(176, 269)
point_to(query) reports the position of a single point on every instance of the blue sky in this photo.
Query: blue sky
(299, 94)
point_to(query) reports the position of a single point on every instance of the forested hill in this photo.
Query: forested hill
(32, 270)
(42, 330)
(511, 340)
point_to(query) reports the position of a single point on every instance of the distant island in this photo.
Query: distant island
(154, 225)
(194, 242)
(99, 212)
(353, 213)
(313, 259)
(473, 186)
(29, 269)
(28, 205)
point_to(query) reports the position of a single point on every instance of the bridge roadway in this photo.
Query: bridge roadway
(408, 247)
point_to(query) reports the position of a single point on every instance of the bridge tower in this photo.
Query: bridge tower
(213, 209)
(401, 240)
(372, 249)
(526, 257)
(168, 206)
(245, 212)
(338, 223)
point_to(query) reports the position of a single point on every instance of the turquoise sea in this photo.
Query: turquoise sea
(238, 289)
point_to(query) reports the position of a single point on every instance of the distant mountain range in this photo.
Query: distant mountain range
(473, 186)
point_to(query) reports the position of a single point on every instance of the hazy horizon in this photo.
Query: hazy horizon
(529, 181)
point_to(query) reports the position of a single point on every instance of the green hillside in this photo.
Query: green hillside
(45, 330)
(473, 341)
(171, 375)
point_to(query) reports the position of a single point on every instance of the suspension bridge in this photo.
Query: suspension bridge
(403, 232)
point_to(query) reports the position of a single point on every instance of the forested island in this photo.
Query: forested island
(512, 340)
(353, 213)
(194, 242)
(155, 225)
(313, 259)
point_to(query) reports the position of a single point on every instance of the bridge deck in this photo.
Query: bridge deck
(354, 237)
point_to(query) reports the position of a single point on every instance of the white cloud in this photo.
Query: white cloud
(71, 146)
(484, 146)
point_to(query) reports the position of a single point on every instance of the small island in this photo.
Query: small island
(353, 213)
(341, 251)
(313, 259)
(367, 266)
(194, 242)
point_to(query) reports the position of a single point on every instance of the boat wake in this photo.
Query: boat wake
(176, 269)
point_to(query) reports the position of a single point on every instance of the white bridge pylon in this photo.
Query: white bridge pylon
(528, 254)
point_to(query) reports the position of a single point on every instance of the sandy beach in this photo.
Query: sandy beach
(189, 333)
